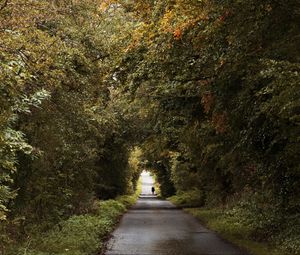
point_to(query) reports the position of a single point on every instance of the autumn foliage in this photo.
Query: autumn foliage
(203, 93)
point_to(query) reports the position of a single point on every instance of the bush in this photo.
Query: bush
(127, 201)
(111, 209)
(253, 228)
(80, 234)
(192, 198)
(76, 235)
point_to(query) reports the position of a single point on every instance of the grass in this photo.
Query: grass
(259, 233)
(80, 234)
(232, 231)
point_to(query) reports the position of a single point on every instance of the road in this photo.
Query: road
(157, 227)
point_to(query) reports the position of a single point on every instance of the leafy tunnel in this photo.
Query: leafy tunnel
(203, 93)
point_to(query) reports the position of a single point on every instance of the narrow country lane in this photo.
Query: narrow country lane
(156, 227)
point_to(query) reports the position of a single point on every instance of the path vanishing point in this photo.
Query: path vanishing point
(157, 227)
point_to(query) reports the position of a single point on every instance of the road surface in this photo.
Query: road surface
(157, 227)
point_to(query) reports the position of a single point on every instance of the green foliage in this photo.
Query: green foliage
(57, 155)
(192, 198)
(134, 164)
(128, 201)
(220, 98)
(244, 227)
(79, 234)
(210, 98)
(82, 234)
(230, 230)
(112, 208)
(13, 141)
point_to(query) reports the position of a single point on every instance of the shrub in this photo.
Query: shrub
(192, 198)
(254, 227)
(80, 234)
(127, 200)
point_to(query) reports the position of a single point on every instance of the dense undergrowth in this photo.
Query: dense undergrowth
(191, 198)
(80, 234)
(247, 223)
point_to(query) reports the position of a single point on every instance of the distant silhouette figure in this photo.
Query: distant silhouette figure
(153, 190)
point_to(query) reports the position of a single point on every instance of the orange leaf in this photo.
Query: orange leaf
(177, 34)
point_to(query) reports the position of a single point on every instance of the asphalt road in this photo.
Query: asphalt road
(156, 227)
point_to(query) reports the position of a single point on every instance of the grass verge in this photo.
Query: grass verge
(258, 229)
(80, 234)
(232, 231)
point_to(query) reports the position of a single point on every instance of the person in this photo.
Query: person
(153, 190)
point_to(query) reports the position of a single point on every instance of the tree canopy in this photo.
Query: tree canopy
(204, 93)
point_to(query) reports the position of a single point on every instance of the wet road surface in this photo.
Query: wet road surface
(156, 227)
